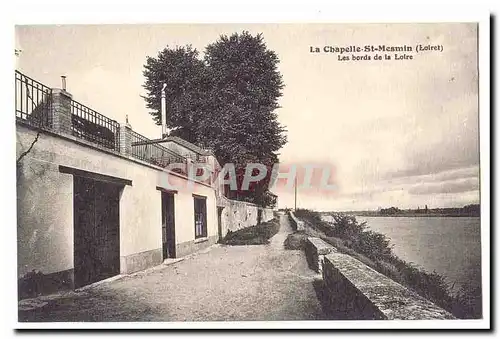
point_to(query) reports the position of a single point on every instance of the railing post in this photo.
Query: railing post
(125, 139)
(61, 110)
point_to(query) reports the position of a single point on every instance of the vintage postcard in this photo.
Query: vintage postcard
(320, 175)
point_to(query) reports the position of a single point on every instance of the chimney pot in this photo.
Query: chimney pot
(63, 81)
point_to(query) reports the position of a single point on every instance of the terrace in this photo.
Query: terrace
(54, 110)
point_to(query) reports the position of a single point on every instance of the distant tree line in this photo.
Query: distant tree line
(390, 210)
(468, 210)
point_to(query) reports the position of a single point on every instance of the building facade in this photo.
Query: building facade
(96, 199)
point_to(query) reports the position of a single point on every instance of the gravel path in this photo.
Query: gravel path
(224, 283)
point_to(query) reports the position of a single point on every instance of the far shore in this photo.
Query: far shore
(472, 210)
(413, 215)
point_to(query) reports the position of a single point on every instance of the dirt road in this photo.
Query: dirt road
(225, 283)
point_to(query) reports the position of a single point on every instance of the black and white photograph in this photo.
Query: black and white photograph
(291, 173)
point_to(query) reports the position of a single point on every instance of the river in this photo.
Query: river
(451, 246)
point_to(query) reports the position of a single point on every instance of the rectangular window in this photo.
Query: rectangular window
(200, 217)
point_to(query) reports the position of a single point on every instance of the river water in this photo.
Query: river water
(451, 246)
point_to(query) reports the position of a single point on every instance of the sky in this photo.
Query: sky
(393, 132)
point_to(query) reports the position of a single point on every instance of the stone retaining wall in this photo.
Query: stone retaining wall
(355, 290)
(316, 249)
(267, 214)
(236, 215)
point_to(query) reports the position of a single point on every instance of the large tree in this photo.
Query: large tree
(225, 100)
(186, 78)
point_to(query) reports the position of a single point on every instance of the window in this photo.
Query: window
(200, 217)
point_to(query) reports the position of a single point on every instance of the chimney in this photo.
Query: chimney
(63, 82)
(164, 130)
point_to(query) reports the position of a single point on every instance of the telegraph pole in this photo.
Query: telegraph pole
(295, 193)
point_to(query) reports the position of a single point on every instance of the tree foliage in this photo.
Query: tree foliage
(225, 100)
(186, 78)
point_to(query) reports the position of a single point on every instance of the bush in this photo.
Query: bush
(296, 241)
(30, 285)
(375, 245)
(315, 220)
(254, 235)
(346, 226)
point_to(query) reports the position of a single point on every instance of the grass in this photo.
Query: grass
(375, 250)
(254, 235)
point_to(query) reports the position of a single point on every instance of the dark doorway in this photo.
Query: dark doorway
(200, 217)
(96, 230)
(168, 224)
(219, 222)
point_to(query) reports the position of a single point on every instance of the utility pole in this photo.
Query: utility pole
(295, 193)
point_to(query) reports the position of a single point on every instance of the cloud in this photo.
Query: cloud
(447, 188)
(446, 175)
(452, 186)
(445, 140)
(461, 173)
(409, 182)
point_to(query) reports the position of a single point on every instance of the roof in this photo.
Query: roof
(187, 144)
(195, 148)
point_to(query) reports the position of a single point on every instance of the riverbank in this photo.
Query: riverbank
(375, 250)
(448, 245)
(410, 215)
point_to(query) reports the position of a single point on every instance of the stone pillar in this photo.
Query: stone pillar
(125, 139)
(61, 110)
(316, 249)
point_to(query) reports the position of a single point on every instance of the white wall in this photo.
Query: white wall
(239, 214)
(45, 202)
(184, 207)
(44, 210)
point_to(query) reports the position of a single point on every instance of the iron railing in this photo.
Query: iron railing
(92, 126)
(33, 101)
(149, 151)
